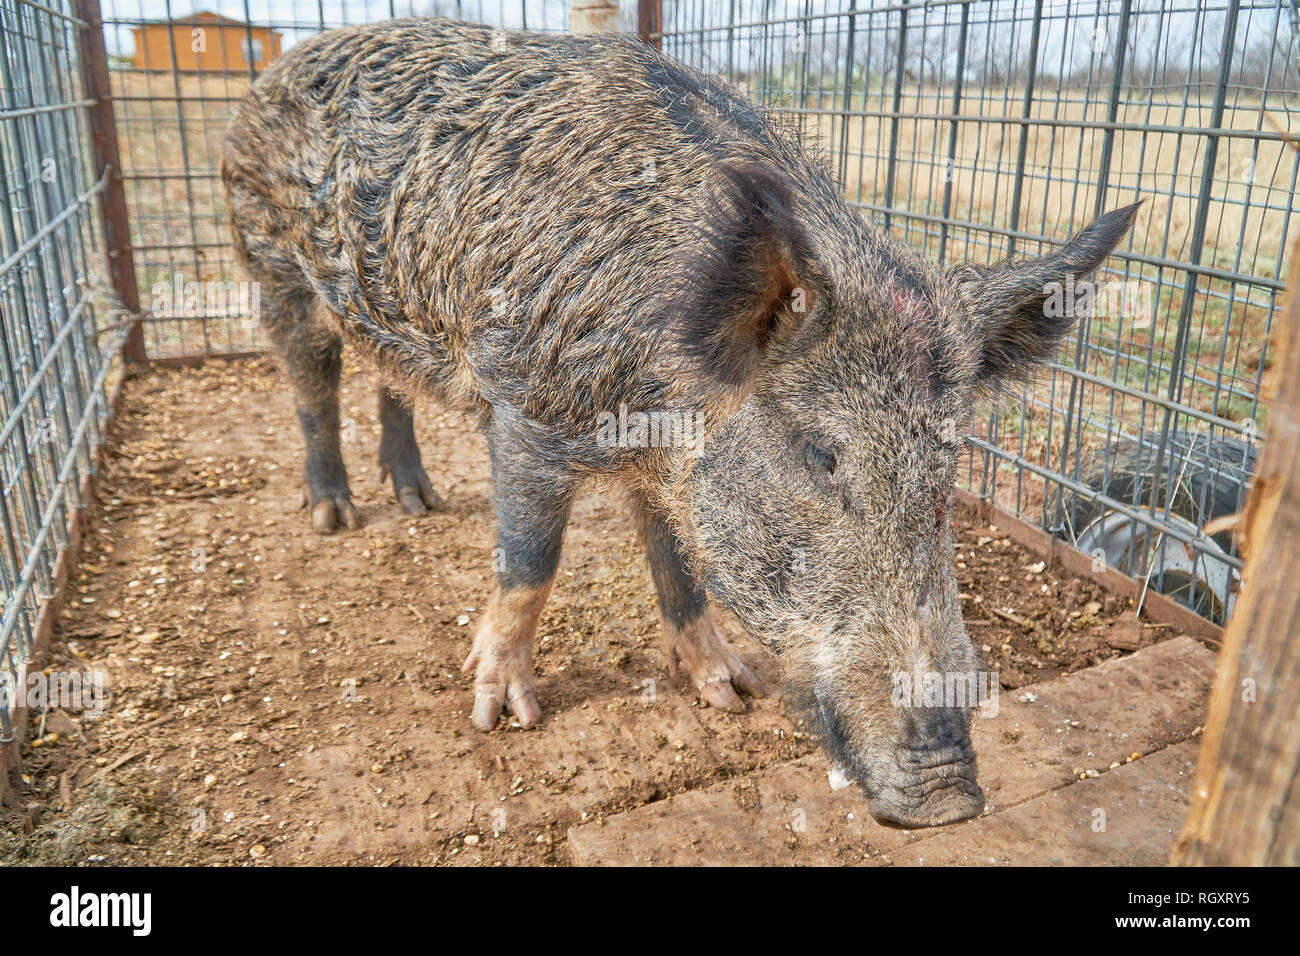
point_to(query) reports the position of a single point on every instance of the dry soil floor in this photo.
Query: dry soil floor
(277, 697)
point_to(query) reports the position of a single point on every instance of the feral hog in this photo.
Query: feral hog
(630, 270)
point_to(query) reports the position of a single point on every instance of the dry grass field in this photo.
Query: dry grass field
(1253, 180)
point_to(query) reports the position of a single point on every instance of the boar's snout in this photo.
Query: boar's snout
(929, 779)
(929, 785)
(919, 773)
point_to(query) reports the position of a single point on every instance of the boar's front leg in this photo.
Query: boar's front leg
(399, 456)
(532, 509)
(690, 636)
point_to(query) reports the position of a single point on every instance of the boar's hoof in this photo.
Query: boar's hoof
(931, 804)
(331, 509)
(416, 502)
(720, 692)
(495, 691)
(490, 697)
(412, 488)
(717, 672)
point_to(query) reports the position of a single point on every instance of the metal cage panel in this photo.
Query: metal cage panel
(54, 357)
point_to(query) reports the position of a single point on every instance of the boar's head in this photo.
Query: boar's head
(817, 510)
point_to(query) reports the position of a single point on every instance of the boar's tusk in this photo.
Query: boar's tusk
(839, 779)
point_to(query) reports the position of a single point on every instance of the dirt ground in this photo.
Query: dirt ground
(276, 697)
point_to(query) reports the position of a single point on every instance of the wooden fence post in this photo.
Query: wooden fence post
(112, 200)
(650, 22)
(1246, 798)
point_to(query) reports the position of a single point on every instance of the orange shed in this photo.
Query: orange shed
(205, 42)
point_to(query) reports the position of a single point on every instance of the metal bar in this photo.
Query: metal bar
(51, 108)
(1103, 171)
(848, 94)
(1028, 108)
(1154, 399)
(1196, 245)
(1112, 109)
(1262, 282)
(1260, 135)
(950, 173)
(891, 169)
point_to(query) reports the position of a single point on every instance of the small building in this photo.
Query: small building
(204, 42)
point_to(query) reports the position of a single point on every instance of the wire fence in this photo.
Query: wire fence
(971, 129)
(978, 130)
(176, 75)
(53, 359)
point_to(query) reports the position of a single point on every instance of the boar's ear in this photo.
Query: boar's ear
(744, 288)
(1011, 300)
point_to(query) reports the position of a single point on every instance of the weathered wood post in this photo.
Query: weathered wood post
(112, 200)
(1246, 799)
(650, 22)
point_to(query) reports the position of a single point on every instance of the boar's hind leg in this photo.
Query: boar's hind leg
(312, 356)
(399, 456)
(691, 638)
(532, 509)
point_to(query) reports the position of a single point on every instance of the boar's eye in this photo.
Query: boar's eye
(819, 459)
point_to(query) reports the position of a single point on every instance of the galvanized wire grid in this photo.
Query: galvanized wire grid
(170, 124)
(972, 129)
(52, 365)
(977, 130)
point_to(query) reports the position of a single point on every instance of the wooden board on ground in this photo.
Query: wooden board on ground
(1044, 738)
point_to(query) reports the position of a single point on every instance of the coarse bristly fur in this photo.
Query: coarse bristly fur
(557, 231)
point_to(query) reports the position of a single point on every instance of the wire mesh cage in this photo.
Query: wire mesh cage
(971, 129)
(53, 357)
(980, 130)
(176, 74)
